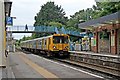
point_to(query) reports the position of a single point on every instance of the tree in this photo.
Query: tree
(50, 13)
(105, 8)
(56, 24)
(79, 17)
(98, 10)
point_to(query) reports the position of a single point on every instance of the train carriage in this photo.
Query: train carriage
(57, 44)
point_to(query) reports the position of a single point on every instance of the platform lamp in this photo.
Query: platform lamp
(8, 5)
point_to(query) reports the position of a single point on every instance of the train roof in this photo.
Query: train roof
(44, 37)
(60, 34)
(37, 39)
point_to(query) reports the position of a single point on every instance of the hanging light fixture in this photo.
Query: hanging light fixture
(8, 5)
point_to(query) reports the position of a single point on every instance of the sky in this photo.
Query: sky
(26, 10)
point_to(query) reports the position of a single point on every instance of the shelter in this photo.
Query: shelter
(106, 32)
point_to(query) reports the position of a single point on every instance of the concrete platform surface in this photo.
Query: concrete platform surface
(21, 65)
(97, 54)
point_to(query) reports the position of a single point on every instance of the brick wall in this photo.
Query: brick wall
(113, 31)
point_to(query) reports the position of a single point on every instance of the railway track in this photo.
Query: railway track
(111, 67)
(106, 71)
(92, 69)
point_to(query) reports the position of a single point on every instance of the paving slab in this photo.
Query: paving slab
(20, 69)
(61, 70)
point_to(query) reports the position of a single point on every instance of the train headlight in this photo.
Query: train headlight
(66, 47)
(54, 47)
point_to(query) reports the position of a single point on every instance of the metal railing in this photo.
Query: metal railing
(46, 29)
(20, 28)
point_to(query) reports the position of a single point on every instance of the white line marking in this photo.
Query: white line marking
(69, 67)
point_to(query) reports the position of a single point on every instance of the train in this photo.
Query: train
(53, 45)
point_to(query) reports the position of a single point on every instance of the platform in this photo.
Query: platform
(21, 65)
(97, 54)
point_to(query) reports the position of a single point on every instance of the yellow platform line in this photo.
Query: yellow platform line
(39, 69)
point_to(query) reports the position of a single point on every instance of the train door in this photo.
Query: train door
(48, 43)
(36, 44)
(42, 44)
(118, 42)
(45, 44)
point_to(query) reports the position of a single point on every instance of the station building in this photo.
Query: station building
(106, 31)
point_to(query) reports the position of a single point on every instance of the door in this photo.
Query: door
(104, 42)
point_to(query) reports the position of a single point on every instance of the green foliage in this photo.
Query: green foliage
(98, 10)
(53, 15)
(17, 43)
(26, 38)
(56, 24)
(105, 8)
(50, 13)
(79, 17)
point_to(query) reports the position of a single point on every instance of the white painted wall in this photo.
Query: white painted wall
(2, 31)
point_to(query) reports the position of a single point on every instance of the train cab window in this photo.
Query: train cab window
(66, 39)
(60, 39)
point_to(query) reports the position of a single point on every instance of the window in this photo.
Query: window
(40, 42)
(104, 35)
(60, 39)
(45, 42)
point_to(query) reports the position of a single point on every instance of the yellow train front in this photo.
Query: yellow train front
(54, 45)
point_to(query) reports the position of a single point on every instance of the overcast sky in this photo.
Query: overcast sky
(25, 10)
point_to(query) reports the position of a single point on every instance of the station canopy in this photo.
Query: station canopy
(109, 19)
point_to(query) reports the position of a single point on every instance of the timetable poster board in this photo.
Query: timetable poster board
(94, 41)
(112, 40)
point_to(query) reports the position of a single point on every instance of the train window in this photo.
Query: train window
(34, 43)
(66, 39)
(60, 39)
(45, 42)
(40, 42)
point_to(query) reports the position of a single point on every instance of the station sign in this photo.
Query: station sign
(9, 21)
